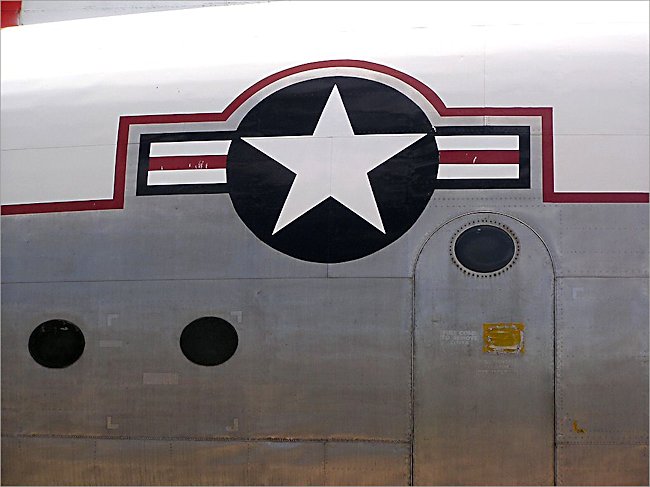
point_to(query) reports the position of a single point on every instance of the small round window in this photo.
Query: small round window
(485, 249)
(209, 341)
(56, 344)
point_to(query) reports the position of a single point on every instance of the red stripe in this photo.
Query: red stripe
(479, 157)
(548, 153)
(427, 92)
(125, 121)
(9, 13)
(28, 208)
(186, 162)
(597, 198)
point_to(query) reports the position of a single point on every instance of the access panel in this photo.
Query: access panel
(484, 394)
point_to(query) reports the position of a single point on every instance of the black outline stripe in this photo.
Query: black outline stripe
(523, 182)
(143, 189)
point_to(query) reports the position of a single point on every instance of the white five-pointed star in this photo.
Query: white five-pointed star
(333, 162)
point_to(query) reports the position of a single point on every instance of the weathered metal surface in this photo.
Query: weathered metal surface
(210, 242)
(602, 360)
(602, 240)
(475, 411)
(138, 246)
(602, 464)
(334, 365)
(602, 379)
(101, 461)
(357, 463)
(320, 388)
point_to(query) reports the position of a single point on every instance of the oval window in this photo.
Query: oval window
(56, 344)
(484, 248)
(209, 341)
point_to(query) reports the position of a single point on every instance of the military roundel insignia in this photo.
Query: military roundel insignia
(330, 162)
(341, 177)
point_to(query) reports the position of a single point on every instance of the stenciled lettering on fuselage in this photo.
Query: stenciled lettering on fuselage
(333, 161)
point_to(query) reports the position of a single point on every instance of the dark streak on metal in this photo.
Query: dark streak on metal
(289, 278)
(557, 349)
(604, 442)
(324, 463)
(207, 279)
(268, 439)
(248, 464)
(411, 480)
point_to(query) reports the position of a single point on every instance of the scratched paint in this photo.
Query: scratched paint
(503, 338)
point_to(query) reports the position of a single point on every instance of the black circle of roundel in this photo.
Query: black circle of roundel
(332, 169)
(209, 341)
(56, 344)
(484, 248)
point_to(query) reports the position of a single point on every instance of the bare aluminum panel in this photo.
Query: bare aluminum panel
(287, 463)
(602, 464)
(362, 463)
(317, 358)
(140, 462)
(585, 240)
(480, 417)
(48, 461)
(602, 361)
(603, 240)
(154, 237)
(209, 241)
(101, 461)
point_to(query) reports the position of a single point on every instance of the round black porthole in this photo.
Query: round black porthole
(209, 341)
(484, 249)
(56, 344)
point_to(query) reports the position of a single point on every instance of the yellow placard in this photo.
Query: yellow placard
(503, 337)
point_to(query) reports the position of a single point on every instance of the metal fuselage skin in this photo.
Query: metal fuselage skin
(373, 370)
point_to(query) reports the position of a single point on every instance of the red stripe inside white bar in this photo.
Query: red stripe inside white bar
(186, 162)
(478, 156)
(191, 162)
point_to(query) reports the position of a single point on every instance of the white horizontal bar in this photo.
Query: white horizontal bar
(477, 142)
(57, 174)
(190, 148)
(478, 171)
(186, 176)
